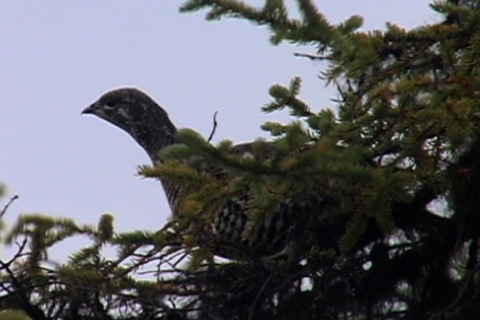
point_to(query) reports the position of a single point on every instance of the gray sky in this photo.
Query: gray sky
(56, 57)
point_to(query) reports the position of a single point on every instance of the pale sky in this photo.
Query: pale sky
(56, 57)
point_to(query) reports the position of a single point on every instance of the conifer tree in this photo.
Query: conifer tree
(398, 160)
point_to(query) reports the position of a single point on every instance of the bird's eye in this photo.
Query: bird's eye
(111, 103)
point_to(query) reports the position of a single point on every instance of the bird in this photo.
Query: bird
(135, 112)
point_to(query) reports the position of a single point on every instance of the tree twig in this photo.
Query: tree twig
(310, 56)
(214, 126)
(5, 208)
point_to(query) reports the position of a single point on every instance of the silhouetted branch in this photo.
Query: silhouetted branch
(214, 127)
(5, 208)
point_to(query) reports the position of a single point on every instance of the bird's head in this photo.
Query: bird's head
(126, 108)
(135, 112)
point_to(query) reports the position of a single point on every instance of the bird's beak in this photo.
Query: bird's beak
(90, 109)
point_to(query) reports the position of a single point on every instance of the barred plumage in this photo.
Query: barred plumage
(142, 118)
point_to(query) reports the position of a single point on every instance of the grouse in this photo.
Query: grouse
(145, 121)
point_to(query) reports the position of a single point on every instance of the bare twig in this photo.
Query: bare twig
(214, 126)
(311, 56)
(5, 208)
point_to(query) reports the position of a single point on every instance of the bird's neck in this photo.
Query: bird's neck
(155, 138)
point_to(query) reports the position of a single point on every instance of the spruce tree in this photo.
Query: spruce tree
(397, 162)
